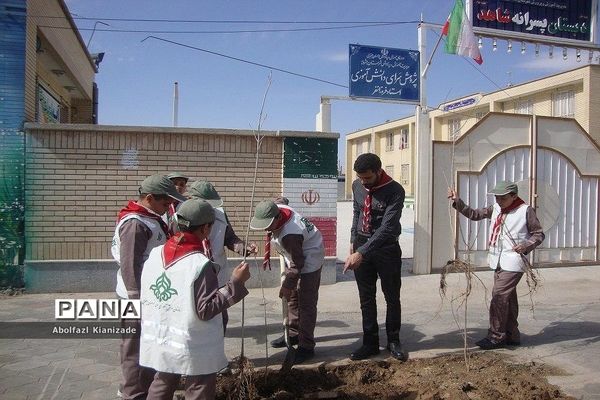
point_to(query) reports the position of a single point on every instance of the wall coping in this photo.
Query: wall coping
(158, 129)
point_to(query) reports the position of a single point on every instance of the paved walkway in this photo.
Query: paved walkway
(564, 331)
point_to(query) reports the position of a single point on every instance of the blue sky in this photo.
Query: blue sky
(136, 78)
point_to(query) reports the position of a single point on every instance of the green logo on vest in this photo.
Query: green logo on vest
(162, 288)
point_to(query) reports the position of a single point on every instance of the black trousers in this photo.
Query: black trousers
(385, 263)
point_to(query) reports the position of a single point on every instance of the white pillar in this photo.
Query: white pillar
(423, 199)
(323, 123)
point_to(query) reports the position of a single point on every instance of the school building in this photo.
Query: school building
(572, 94)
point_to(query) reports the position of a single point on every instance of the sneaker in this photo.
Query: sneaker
(364, 352)
(303, 354)
(280, 342)
(119, 394)
(397, 351)
(488, 344)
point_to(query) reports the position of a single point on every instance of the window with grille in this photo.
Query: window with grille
(404, 174)
(453, 128)
(389, 141)
(524, 107)
(389, 169)
(563, 104)
(404, 139)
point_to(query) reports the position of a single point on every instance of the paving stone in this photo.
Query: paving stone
(11, 358)
(12, 395)
(59, 356)
(101, 394)
(36, 389)
(73, 363)
(83, 386)
(26, 365)
(94, 369)
(111, 375)
(104, 357)
(11, 346)
(14, 381)
(42, 373)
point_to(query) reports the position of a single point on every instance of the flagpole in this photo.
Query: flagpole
(432, 54)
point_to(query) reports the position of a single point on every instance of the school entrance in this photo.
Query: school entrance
(557, 167)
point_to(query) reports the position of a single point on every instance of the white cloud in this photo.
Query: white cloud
(543, 63)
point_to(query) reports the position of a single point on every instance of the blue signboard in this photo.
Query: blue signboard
(566, 19)
(384, 73)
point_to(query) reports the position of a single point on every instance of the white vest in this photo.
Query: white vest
(312, 247)
(217, 244)
(158, 237)
(514, 227)
(173, 338)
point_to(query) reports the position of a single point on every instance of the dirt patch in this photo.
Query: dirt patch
(490, 376)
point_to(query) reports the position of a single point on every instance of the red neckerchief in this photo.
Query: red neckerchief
(207, 249)
(171, 223)
(501, 217)
(286, 214)
(134, 208)
(383, 180)
(180, 245)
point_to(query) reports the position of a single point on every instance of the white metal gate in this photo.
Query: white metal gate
(565, 193)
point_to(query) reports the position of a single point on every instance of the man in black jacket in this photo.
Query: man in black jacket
(374, 251)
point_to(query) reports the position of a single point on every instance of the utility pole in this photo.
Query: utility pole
(176, 105)
(423, 199)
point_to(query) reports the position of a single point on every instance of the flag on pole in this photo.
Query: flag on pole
(460, 37)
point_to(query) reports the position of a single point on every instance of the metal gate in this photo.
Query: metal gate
(557, 168)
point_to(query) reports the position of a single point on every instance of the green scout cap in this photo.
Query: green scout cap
(206, 191)
(178, 174)
(160, 184)
(504, 187)
(266, 211)
(195, 212)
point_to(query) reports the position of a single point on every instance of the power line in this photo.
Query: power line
(209, 21)
(245, 61)
(479, 70)
(223, 31)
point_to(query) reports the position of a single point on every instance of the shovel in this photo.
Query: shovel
(290, 357)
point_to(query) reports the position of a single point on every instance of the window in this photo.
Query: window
(404, 174)
(404, 138)
(389, 169)
(524, 107)
(453, 128)
(389, 141)
(563, 104)
(359, 148)
(368, 142)
(479, 115)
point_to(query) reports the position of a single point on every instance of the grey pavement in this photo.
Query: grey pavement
(563, 330)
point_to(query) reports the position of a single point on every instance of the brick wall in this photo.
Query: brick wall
(79, 176)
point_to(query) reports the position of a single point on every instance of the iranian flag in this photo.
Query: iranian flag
(460, 37)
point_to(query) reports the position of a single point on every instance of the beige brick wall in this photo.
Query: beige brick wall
(593, 83)
(78, 177)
